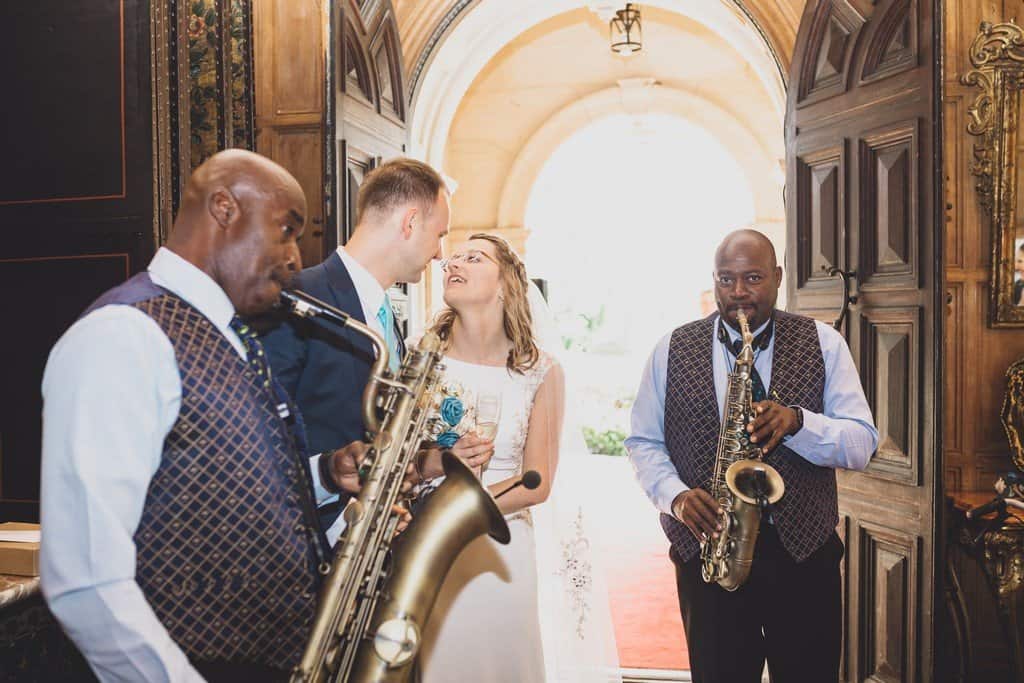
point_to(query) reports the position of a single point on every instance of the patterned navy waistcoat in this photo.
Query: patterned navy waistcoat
(224, 549)
(808, 513)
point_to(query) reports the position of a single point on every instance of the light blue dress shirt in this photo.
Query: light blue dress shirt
(112, 392)
(844, 436)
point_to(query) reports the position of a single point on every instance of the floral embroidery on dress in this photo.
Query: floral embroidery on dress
(576, 572)
(533, 377)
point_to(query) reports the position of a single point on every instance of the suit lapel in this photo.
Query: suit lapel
(342, 289)
(345, 297)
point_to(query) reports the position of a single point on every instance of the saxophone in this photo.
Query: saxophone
(743, 484)
(379, 590)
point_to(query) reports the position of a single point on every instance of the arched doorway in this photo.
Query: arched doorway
(625, 247)
(506, 93)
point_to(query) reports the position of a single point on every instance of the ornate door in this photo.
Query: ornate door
(370, 119)
(863, 181)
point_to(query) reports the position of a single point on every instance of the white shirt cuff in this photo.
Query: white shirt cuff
(323, 496)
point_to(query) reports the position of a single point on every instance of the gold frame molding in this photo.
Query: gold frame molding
(997, 55)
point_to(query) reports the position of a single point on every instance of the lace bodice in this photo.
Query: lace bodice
(468, 381)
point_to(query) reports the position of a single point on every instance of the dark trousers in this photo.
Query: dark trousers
(789, 613)
(225, 672)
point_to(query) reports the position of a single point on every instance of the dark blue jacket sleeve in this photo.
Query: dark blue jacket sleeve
(286, 352)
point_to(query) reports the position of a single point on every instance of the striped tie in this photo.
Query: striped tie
(254, 355)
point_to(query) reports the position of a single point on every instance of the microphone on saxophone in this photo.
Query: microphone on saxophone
(306, 306)
(530, 480)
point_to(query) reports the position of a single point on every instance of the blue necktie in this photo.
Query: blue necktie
(386, 316)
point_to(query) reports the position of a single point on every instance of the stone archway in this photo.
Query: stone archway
(508, 83)
(758, 160)
(444, 72)
(497, 165)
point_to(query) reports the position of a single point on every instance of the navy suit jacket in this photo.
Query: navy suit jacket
(322, 367)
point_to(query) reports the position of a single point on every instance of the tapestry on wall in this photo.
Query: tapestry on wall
(220, 77)
(210, 47)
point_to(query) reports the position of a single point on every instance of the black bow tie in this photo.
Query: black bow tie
(761, 341)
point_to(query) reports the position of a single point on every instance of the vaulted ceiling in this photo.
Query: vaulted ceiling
(421, 22)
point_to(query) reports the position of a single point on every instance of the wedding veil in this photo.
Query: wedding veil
(576, 623)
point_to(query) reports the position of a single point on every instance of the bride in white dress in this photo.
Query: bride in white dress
(485, 625)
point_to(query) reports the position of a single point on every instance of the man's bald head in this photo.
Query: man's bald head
(246, 175)
(240, 217)
(745, 239)
(747, 277)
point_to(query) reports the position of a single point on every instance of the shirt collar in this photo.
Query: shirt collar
(174, 273)
(369, 291)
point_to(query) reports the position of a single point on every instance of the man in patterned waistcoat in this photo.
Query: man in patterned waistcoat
(811, 418)
(180, 536)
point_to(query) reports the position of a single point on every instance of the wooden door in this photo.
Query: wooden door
(77, 195)
(370, 108)
(330, 104)
(290, 115)
(863, 181)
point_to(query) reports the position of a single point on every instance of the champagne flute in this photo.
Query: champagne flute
(488, 414)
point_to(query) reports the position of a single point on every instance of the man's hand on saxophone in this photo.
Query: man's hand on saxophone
(341, 469)
(699, 511)
(771, 423)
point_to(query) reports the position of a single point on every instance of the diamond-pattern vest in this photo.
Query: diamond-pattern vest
(808, 512)
(223, 553)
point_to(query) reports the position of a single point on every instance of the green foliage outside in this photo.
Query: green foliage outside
(606, 442)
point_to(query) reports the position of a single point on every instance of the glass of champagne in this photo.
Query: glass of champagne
(488, 414)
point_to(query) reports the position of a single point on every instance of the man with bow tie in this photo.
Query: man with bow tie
(811, 418)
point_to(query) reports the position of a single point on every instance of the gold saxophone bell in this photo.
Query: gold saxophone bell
(750, 480)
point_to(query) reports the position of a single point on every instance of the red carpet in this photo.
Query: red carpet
(645, 611)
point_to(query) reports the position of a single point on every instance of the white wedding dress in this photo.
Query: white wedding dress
(485, 625)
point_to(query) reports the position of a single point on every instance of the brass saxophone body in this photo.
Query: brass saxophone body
(742, 483)
(379, 589)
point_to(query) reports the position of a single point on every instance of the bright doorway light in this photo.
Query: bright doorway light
(627, 213)
(624, 219)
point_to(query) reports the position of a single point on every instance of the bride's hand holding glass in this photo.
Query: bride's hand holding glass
(474, 451)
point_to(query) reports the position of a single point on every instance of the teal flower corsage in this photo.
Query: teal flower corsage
(447, 439)
(451, 415)
(452, 410)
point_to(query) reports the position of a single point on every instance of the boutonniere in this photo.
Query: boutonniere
(451, 419)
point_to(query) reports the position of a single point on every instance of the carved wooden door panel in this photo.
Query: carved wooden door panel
(370, 97)
(290, 87)
(863, 178)
(370, 118)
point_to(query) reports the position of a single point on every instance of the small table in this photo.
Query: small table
(1000, 550)
(16, 588)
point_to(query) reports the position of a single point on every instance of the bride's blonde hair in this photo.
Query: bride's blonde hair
(516, 318)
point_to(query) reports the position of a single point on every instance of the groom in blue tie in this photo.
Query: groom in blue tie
(402, 215)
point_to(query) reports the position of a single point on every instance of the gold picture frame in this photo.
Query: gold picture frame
(997, 55)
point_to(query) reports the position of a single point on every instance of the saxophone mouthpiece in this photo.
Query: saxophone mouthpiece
(748, 337)
(747, 354)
